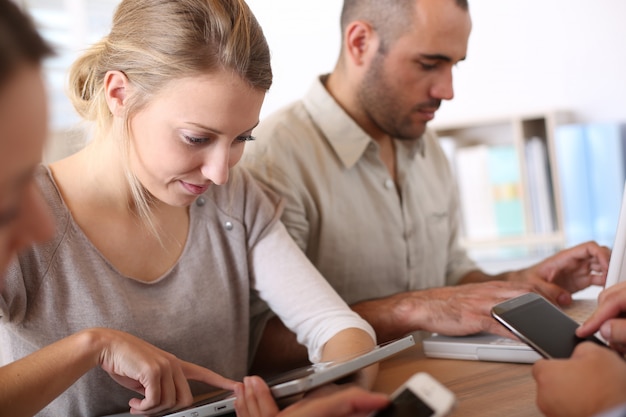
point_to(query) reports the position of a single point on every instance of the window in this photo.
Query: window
(70, 26)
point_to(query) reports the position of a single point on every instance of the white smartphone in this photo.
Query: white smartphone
(420, 396)
(540, 324)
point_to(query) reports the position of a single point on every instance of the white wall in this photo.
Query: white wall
(304, 38)
(524, 56)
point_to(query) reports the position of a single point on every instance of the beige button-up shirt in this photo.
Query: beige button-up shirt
(367, 237)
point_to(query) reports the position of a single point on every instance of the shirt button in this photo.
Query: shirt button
(228, 225)
(200, 202)
(389, 184)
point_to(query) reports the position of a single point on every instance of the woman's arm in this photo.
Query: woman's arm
(305, 301)
(29, 384)
(345, 344)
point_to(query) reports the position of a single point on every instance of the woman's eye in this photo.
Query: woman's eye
(194, 140)
(246, 138)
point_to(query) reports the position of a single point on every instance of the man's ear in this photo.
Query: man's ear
(361, 42)
(116, 89)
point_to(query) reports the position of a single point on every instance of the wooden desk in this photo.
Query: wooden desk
(483, 389)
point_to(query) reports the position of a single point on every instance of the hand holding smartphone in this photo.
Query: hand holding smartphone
(541, 325)
(420, 396)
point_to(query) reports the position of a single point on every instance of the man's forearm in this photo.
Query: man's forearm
(478, 276)
(391, 317)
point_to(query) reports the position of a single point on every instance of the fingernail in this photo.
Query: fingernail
(256, 381)
(605, 331)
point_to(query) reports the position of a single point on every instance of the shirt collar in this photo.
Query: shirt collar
(344, 135)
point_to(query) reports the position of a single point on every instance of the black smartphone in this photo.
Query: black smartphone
(541, 325)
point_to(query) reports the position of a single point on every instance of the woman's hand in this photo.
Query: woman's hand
(254, 399)
(158, 375)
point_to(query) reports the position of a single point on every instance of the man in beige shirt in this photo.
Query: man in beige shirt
(370, 197)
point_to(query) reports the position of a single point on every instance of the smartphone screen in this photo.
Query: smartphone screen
(406, 404)
(543, 326)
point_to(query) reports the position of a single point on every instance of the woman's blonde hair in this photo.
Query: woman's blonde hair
(156, 41)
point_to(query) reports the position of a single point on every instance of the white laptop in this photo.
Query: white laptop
(294, 382)
(490, 347)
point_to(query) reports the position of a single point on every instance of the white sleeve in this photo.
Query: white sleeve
(298, 294)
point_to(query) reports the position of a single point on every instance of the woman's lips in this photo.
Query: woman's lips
(194, 189)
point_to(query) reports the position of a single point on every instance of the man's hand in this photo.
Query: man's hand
(455, 310)
(566, 272)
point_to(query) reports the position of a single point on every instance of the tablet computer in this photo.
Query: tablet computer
(294, 382)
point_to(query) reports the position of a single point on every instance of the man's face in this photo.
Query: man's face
(405, 84)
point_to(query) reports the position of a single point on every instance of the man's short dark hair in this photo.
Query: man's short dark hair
(19, 40)
(390, 18)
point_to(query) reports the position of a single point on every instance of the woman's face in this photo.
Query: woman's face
(24, 217)
(191, 134)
